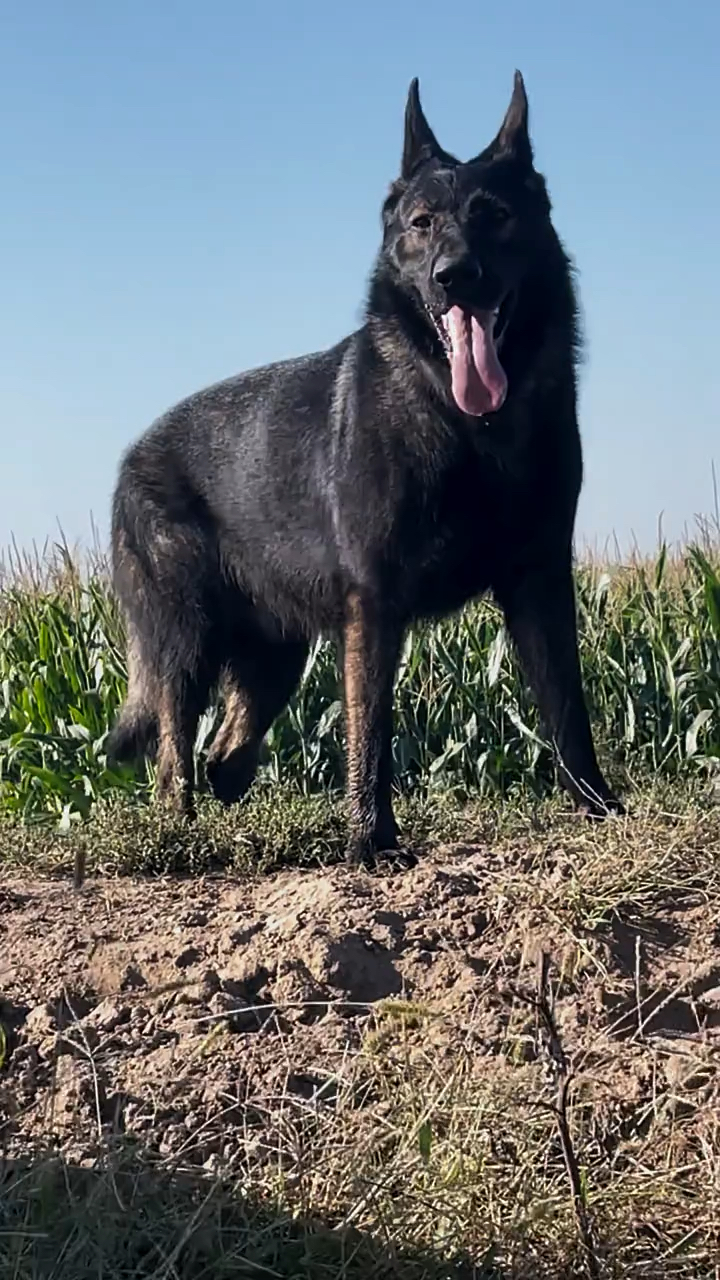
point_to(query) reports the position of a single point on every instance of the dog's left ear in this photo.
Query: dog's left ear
(420, 142)
(513, 138)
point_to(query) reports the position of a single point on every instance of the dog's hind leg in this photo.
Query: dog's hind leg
(180, 705)
(163, 575)
(168, 690)
(135, 732)
(258, 681)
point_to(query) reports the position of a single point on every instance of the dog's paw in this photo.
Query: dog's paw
(368, 855)
(230, 779)
(601, 807)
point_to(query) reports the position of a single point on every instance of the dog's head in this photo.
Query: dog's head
(459, 238)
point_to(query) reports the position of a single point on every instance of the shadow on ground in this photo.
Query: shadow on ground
(132, 1216)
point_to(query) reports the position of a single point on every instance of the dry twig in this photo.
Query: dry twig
(556, 1058)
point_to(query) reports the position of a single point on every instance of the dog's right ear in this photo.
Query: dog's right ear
(420, 142)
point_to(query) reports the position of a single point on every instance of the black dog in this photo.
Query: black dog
(430, 457)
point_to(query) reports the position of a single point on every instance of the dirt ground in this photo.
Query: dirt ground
(193, 1015)
(110, 994)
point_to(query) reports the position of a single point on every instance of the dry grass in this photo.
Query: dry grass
(404, 1168)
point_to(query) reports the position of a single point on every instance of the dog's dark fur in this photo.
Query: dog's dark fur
(346, 493)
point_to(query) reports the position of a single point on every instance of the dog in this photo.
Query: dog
(430, 457)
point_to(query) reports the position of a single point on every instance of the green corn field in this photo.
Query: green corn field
(650, 645)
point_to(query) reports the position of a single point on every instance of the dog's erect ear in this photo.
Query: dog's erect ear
(420, 141)
(513, 138)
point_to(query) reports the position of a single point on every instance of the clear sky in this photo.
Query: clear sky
(192, 187)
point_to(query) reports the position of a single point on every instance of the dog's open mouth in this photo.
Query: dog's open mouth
(470, 340)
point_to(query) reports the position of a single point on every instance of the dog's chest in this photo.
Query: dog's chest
(471, 525)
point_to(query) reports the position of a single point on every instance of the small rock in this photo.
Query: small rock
(40, 1022)
(107, 1016)
(73, 1087)
(200, 992)
(677, 1067)
(188, 956)
(237, 1016)
(41, 1029)
(209, 983)
(223, 1002)
(195, 919)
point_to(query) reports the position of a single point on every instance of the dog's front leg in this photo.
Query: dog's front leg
(539, 608)
(371, 645)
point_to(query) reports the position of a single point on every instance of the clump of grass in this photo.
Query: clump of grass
(650, 647)
(120, 837)
(276, 826)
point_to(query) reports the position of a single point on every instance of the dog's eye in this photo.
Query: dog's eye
(489, 214)
(421, 222)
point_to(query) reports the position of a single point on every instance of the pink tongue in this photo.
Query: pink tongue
(479, 383)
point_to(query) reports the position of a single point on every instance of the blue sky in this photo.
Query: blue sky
(189, 189)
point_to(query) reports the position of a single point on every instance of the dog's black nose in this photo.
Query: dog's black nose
(456, 271)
